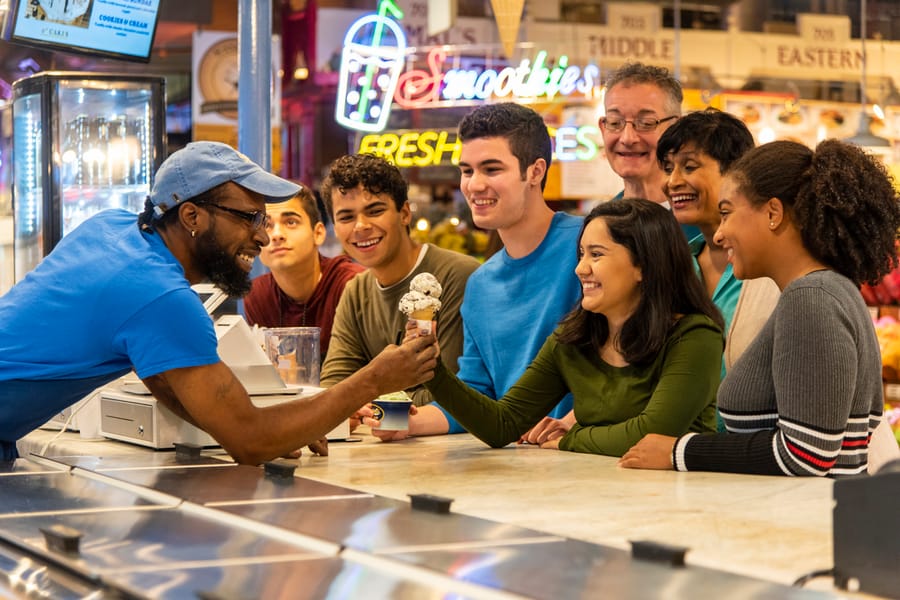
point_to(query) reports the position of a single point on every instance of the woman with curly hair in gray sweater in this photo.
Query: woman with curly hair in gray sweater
(806, 395)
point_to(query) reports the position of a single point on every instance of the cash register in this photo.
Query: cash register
(129, 413)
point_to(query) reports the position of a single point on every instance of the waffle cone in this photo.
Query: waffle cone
(508, 14)
(425, 314)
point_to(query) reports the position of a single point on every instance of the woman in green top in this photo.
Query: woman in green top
(641, 354)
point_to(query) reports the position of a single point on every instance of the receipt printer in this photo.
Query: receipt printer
(866, 532)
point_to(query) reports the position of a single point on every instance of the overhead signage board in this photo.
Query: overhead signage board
(122, 29)
(374, 75)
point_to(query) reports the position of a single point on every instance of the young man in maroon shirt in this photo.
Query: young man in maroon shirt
(303, 287)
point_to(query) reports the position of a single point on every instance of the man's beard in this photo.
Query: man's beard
(221, 268)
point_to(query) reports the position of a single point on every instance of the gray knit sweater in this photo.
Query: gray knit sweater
(807, 393)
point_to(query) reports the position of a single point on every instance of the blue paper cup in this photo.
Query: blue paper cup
(393, 414)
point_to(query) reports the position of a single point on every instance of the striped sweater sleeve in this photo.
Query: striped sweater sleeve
(819, 424)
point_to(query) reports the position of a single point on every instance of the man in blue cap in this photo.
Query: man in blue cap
(115, 295)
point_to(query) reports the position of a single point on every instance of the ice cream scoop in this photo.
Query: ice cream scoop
(417, 305)
(427, 284)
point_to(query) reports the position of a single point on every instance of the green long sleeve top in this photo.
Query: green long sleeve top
(614, 406)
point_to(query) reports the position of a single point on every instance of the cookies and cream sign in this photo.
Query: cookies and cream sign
(119, 28)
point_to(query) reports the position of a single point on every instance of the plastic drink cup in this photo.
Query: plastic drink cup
(295, 353)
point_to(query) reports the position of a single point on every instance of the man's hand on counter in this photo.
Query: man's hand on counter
(319, 447)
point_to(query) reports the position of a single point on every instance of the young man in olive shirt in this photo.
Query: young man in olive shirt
(367, 198)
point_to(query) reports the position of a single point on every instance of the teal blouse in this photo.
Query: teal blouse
(725, 297)
(726, 294)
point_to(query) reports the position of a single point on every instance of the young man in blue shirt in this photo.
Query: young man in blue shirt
(514, 301)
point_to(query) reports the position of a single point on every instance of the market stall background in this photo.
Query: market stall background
(787, 71)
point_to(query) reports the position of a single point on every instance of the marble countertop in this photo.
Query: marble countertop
(775, 528)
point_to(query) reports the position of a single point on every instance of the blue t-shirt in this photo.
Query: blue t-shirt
(512, 305)
(107, 299)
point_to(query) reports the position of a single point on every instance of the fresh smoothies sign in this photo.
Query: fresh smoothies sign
(530, 79)
(372, 77)
(431, 148)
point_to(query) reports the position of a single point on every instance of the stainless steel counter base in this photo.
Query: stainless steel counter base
(154, 526)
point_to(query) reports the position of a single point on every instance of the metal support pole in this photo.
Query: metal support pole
(255, 88)
(676, 17)
(254, 83)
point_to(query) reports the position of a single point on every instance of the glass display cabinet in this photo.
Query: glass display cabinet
(82, 143)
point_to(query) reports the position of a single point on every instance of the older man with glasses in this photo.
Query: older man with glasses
(640, 102)
(114, 295)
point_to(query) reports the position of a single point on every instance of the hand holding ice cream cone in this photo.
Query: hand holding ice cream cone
(414, 332)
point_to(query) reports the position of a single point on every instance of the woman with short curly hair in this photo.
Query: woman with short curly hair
(806, 395)
(695, 152)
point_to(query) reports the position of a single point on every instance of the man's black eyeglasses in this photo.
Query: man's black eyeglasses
(642, 124)
(256, 218)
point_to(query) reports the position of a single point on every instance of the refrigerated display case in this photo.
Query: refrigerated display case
(83, 142)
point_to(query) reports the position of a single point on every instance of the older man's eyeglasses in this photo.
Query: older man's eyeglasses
(641, 124)
(255, 218)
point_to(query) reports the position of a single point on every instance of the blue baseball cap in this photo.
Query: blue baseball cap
(201, 166)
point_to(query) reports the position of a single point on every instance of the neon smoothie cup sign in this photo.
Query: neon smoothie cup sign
(371, 62)
(371, 77)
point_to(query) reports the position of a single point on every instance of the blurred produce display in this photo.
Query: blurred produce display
(887, 328)
(887, 291)
(453, 234)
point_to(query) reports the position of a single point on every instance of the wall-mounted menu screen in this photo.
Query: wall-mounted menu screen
(122, 29)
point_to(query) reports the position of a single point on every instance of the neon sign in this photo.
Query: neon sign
(418, 88)
(371, 62)
(414, 148)
(431, 148)
(372, 77)
(575, 143)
